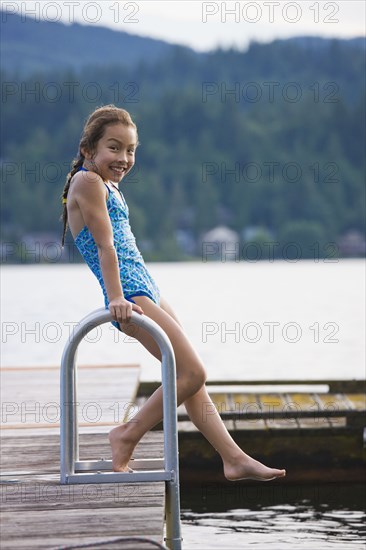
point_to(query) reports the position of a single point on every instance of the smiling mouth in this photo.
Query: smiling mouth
(119, 170)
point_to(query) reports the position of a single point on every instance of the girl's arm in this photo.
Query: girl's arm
(90, 195)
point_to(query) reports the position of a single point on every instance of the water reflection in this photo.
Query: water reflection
(307, 523)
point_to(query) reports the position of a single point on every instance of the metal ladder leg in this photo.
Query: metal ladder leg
(75, 471)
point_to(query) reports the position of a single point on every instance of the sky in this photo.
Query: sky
(207, 25)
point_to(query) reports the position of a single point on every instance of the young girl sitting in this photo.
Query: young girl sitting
(97, 214)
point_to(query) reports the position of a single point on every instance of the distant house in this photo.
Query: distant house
(220, 243)
(352, 243)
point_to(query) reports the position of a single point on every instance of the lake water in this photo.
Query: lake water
(248, 321)
(269, 517)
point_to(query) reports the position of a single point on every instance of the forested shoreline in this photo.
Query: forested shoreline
(268, 143)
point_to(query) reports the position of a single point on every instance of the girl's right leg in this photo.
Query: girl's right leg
(191, 377)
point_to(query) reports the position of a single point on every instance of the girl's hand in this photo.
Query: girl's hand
(121, 309)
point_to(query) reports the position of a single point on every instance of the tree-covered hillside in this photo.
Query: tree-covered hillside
(30, 45)
(272, 139)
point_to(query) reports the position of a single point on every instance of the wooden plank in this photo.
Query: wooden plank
(250, 424)
(185, 426)
(57, 367)
(94, 542)
(275, 403)
(221, 402)
(301, 410)
(336, 385)
(181, 410)
(39, 512)
(271, 409)
(306, 402)
(41, 454)
(357, 400)
(42, 492)
(50, 528)
(56, 425)
(244, 403)
(31, 399)
(333, 402)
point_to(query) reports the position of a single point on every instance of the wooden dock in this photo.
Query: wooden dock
(39, 512)
(314, 429)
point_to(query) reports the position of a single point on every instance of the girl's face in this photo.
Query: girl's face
(115, 153)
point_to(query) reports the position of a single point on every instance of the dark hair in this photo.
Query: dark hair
(93, 131)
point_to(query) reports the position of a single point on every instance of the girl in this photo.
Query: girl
(98, 217)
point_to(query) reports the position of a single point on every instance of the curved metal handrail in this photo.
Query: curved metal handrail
(69, 431)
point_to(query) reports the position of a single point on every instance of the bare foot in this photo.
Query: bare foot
(122, 449)
(246, 467)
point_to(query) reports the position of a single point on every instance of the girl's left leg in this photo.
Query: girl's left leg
(237, 464)
(203, 413)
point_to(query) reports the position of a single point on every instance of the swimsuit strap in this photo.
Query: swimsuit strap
(86, 170)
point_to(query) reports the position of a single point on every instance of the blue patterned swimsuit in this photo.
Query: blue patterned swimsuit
(135, 278)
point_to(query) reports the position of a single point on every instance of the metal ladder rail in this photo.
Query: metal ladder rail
(75, 471)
